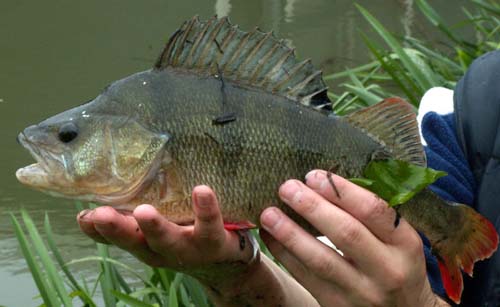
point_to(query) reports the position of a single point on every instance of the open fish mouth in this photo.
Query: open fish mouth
(35, 174)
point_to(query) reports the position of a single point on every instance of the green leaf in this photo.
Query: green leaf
(363, 182)
(397, 181)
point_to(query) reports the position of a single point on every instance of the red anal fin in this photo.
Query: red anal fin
(239, 225)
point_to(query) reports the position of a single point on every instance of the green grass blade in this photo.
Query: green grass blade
(112, 261)
(490, 7)
(196, 291)
(49, 266)
(121, 281)
(436, 20)
(165, 277)
(83, 294)
(336, 102)
(393, 43)
(397, 73)
(148, 295)
(346, 72)
(363, 92)
(348, 106)
(85, 285)
(185, 300)
(172, 297)
(129, 300)
(172, 294)
(96, 283)
(46, 291)
(435, 56)
(107, 282)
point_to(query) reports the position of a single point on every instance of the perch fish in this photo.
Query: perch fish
(238, 112)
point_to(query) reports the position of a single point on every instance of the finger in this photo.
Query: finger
(208, 225)
(324, 291)
(87, 226)
(324, 262)
(161, 235)
(362, 204)
(124, 232)
(347, 233)
(209, 233)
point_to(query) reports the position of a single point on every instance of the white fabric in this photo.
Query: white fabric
(437, 99)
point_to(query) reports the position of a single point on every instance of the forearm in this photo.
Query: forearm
(263, 283)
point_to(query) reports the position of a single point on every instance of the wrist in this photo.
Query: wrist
(229, 270)
(262, 283)
(254, 281)
(225, 274)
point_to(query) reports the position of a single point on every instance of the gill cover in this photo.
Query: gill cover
(117, 160)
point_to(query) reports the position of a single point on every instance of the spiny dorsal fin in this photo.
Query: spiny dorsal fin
(254, 59)
(392, 123)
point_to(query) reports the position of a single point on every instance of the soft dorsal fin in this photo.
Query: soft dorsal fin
(253, 59)
(392, 123)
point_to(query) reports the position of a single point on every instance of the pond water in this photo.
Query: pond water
(56, 54)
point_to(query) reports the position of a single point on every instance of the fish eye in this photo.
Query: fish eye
(67, 132)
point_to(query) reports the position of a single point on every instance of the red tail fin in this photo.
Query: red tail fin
(476, 240)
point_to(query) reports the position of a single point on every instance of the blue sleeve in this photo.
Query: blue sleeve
(444, 153)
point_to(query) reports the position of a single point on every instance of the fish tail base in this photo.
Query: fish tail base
(476, 240)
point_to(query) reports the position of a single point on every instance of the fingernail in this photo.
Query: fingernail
(85, 214)
(290, 190)
(102, 216)
(202, 199)
(310, 175)
(313, 179)
(270, 218)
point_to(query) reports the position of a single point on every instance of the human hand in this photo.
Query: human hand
(204, 250)
(383, 262)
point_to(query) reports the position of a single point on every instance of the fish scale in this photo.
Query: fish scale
(246, 160)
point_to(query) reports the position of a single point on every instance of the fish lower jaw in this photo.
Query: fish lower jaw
(32, 175)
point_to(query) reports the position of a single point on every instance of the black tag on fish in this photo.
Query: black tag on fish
(224, 119)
